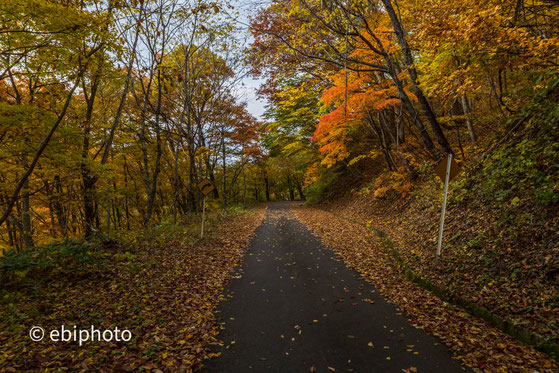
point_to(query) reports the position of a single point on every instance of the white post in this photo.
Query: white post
(203, 215)
(444, 205)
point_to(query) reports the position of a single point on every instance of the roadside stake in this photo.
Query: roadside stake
(446, 174)
(203, 215)
(205, 187)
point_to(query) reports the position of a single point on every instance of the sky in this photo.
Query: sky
(248, 90)
(246, 8)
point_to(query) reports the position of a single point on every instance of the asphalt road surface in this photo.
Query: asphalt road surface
(295, 307)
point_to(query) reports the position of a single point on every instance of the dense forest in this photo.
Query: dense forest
(113, 111)
(401, 84)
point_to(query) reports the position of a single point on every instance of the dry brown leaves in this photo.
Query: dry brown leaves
(506, 262)
(472, 340)
(166, 296)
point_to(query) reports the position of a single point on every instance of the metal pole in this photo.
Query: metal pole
(444, 205)
(203, 215)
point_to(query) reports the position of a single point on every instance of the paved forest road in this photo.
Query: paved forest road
(297, 307)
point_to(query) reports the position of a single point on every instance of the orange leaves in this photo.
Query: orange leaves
(330, 136)
(365, 92)
(386, 103)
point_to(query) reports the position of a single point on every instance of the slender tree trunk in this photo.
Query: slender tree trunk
(300, 189)
(467, 113)
(224, 167)
(27, 234)
(379, 136)
(408, 58)
(267, 183)
(243, 161)
(19, 226)
(244, 186)
(256, 194)
(58, 203)
(211, 175)
(193, 178)
(11, 233)
(48, 191)
(88, 179)
(126, 208)
(175, 149)
(9, 226)
(116, 210)
(151, 186)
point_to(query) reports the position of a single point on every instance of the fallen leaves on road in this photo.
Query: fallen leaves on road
(504, 260)
(472, 340)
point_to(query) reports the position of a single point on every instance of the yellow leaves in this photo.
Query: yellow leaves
(334, 151)
(460, 43)
(410, 370)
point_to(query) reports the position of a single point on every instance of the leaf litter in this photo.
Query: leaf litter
(472, 340)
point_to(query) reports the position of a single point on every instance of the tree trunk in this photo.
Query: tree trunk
(256, 194)
(224, 166)
(175, 149)
(467, 113)
(244, 186)
(299, 189)
(408, 58)
(48, 191)
(12, 239)
(58, 208)
(267, 182)
(151, 186)
(425, 137)
(26, 231)
(88, 179)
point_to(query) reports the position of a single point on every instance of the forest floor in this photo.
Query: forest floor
(505, 259)
(163, 290)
